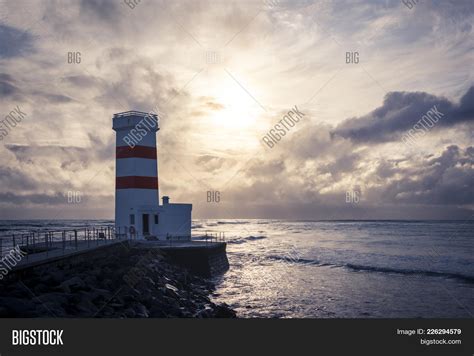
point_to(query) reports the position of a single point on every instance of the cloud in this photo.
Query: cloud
(443, 180)
(400, 112)
(10, 90)
(210, 162)
(7, 88)
(15, 42)
(16, 179)
(82, 81)
(104, 10)
(210, 127)
(438, 186)
(98, 151)
(40, 199)
(214, 106)
(56, 98)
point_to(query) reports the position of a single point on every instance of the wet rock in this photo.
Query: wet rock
(86, 290)
(156, 311)
(40, 288)
(90, 280)
(74, 283)
(107, 312)
(207, 312)
(3, 312)
(140, 310)
(171, 291)
(17, 306)
(54, 297)
(98, 293)
(130, 313)
(224, 311)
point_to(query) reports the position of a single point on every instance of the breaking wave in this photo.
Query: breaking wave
(364, 268)
(241, 240)
(233, 222)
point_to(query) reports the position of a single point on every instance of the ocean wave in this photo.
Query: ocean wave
(18, 226)
(241, 240)
(451, 275)
(290, 259)
(232, 222)
(365, 268)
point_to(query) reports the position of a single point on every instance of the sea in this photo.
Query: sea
(333, 269)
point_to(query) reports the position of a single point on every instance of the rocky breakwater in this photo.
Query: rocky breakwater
(120, 282)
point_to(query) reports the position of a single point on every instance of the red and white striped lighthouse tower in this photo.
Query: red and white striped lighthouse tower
(136, 183)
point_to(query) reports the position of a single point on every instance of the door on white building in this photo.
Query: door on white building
(146, 226)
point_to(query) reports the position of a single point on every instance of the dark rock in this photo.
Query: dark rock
(18, 307)
(107, 312)
(53, 297)
(224, 311)
(140, 310)
(74, 283)
(98, 293)
(40, 288)
(156, 311)
(86, 307)
(85, 289)
(130, 313)
(3, 312)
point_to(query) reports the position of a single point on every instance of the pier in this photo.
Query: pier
(202, 255)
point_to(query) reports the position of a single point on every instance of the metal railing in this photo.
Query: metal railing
(46, 241)
(177, 238)
(135, 113)
(70, 239)
(214, 237)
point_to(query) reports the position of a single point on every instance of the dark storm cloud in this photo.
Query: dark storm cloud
(67, 156)
(8, 88)
(56, 98)
(443, 180)
(14, 42)
(387, 168)
(102, 9)
(344, 164)
(462, 10)
(400, 112)
(42, 199)
(22, 152)
(16, 179)
(82, 81)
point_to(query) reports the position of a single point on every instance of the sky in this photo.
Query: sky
(365, 76)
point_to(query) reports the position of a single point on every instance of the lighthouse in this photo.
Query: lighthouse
(137, 210)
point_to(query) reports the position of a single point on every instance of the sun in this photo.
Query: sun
(233, 119)
(239, 110)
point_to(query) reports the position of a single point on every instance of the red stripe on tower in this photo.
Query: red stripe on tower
(136, 152)
(137, 182)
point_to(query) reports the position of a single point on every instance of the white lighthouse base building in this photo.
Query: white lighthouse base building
(161, 222)
(137, 210)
